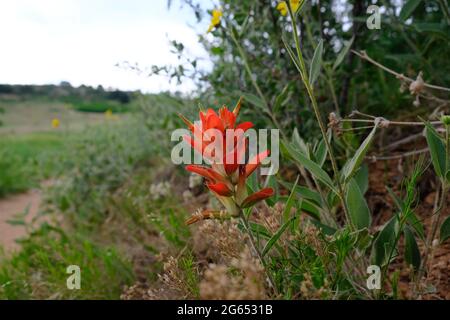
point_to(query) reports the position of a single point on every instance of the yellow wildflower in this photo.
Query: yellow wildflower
(215, 19)
(108, 114)
(295, 4)
(55, 123)
(282, 7)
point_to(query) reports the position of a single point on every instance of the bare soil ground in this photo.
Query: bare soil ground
(10, 207)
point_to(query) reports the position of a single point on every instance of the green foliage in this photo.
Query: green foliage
(27, 159)
(38, 271)
(98, 161)
(357, 206)
(437, 151)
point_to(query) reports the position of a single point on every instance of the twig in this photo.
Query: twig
(385, 122)
(365, 56)
(402, 141)
(398, 156)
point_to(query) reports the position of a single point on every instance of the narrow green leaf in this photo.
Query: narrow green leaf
(303, 192)
(320, 153)
(408, 8)
(281, 99)
(412, 252)
(327, 230)
(254, 100)
(311, 166)
(343, 53)
(310, 208)
(316, 63)
(354, 163)
(445, 230)
(290, 201)
(299, 142)
(258, 229)
(416, 224)
(357, 206)
(384, 243)
(398, 202)
(437, 150)
(362, 178)
(276, 236)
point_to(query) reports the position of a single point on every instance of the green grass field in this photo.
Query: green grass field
(31, 150)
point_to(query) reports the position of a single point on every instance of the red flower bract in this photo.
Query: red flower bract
(226, 177)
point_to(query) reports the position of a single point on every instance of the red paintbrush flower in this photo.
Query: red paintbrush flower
(226, 177)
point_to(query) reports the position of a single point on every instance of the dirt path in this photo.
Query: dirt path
(9, 208)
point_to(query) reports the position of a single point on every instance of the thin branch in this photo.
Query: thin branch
(363, 55)
(385, 123)
(397, 156)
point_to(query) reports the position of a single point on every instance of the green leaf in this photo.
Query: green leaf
(357, 206)
(218, 51)
(408, 9)
(327, 230)
(362, 178)
(309, 208)
(281, 99)
(254, 100)
(290, 201)
(257, 228)
(398, 202)
(320, 153)
(303, 192)
(299, 142)
(412, 252)
(354, 163)
(411, 216)
(343, 53)
(316, 63)
(311, 166)
(276, 236)
(437, 150)
(445, 230)
(384, 243)
(430, 27)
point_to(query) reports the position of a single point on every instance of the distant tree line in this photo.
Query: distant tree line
(66, 91)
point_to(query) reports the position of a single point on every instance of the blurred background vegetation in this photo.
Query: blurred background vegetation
(110, 146)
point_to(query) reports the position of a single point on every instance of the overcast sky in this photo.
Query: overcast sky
(80, 41)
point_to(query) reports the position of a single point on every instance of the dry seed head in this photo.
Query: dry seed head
(220, 241)
(243, 279)
(417, 85)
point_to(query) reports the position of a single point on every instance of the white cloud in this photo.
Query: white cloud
(48, 41)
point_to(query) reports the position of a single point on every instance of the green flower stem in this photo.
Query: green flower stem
(309, 89)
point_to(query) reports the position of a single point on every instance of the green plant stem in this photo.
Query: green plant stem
(263, 98)
(444, 7)
(329, 80)
(437, 212)
(432, 234)
(394, 246)
(309, 89)
(257, 251)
